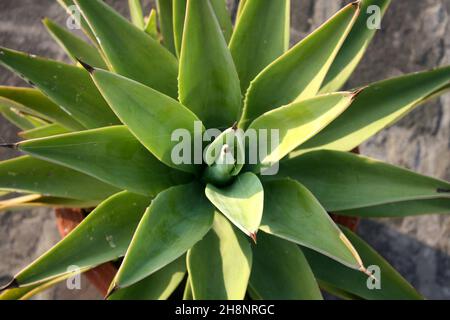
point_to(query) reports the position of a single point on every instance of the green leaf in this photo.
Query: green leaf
(44, 131)
(179, 14)
(55, 202)
(241, 202)
(158, 286)
(27, 292)
(130, 51)
(240, 9)
(291, 212)
(136, 13)
(187, 294)
(103, 236)
(18, 202)
(344, 181)
(280, 272)
(68, 86)
(393, 285)
(378, 106)
(402, 209)
(220, 173)
(208, 81)
(110, 154)
(354, 47)
(212, 151)
(75, 47)
(337, 292)
(26, 174)
(141, 108)
(223, 17)
(34, 102)
(165, 15)
(22, 115)
(14, 116)
(37, 200)
(235, 144)
(70, 7)
(261, 35)
(178, 218)
(219, 265)
(35, 121)
(151, 28)
(299, 73)
(297, 122)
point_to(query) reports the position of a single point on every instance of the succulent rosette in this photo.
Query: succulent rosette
(104, 133)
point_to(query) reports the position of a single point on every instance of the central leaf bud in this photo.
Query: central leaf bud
(224, 157)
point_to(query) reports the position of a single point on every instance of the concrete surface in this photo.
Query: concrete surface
(415, 36)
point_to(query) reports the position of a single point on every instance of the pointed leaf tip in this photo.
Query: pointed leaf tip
(382, 104)
(86, 66)
(148, 62)
(111, 291)
(13, 284)
(253, 237)
(368, 273)
(292, 212)
(357, 4)
(357, 92)
(9, 145)
(241, 202)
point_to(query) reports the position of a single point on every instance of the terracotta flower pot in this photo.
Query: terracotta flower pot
(349, 222)
(101, 276)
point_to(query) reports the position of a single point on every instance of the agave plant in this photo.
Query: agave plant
(98, 133)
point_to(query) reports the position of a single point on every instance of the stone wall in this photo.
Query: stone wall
(415, 36)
